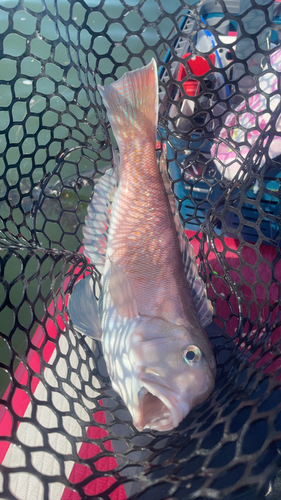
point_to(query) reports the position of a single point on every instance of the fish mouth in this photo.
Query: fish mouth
(159, 408)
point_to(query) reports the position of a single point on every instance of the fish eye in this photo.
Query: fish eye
(191, 354)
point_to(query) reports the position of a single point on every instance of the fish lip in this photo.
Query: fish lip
(157, 387)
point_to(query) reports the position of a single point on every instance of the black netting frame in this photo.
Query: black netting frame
(55, 143)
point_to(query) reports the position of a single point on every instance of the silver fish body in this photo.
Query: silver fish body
(153, 304)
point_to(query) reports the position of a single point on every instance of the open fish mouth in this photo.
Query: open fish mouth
(154, 413)
(159, 408)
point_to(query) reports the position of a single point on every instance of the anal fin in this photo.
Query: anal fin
(97, 222)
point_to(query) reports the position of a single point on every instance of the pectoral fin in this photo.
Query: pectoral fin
(121, 292)
(83, 309)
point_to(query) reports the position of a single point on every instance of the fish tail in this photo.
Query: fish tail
(132, 103)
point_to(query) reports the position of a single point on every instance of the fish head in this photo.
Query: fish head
(174, 371)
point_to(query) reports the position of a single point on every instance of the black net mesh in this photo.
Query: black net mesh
(64, 433)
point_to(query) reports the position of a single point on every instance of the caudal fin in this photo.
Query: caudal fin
(132, 102)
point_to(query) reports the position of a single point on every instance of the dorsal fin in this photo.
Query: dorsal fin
(197, 286)
(95, 231)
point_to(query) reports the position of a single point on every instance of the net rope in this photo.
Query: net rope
(64, 433)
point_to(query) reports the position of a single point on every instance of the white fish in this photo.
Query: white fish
(153, 303)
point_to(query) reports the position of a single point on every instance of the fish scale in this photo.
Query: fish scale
(151, 258)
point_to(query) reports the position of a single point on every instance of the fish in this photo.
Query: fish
(153, 307)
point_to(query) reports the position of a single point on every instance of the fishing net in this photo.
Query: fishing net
(65, 434)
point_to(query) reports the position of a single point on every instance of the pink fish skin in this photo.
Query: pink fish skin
(144, 241)
(157, 354)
